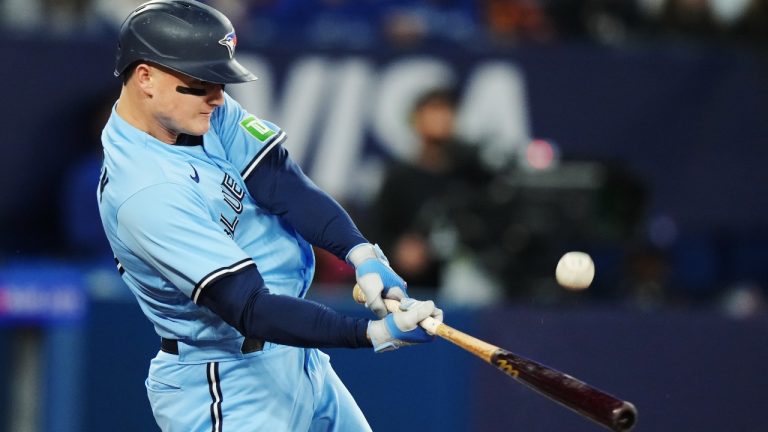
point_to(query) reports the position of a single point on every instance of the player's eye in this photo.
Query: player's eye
(210, 84)
(191, 91)
(197, 91)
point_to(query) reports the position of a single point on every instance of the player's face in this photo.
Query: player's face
(183, 104)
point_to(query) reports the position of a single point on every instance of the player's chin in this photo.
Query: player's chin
(200, 127)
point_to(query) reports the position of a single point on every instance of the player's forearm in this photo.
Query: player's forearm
(299, 322)
(279, 186)
(324, 223)
(244, 302)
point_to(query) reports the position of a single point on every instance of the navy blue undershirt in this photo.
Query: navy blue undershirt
(243, 300)
(245, 303)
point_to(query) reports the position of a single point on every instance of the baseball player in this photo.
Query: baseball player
(211, 222)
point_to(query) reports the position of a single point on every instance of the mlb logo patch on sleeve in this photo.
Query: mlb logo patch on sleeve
(255, 127)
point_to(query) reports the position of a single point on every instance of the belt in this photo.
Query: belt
(171, 346)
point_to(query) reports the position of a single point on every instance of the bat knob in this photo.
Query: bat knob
(624, 417)
(358, 295)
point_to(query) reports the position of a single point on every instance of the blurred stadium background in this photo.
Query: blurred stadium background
(634, 130)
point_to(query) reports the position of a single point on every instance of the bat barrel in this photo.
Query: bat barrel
(601, 407)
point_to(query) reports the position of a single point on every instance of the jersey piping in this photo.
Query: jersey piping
(263, 152)
(218, 274)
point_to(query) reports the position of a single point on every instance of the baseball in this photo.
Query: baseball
(575, 271)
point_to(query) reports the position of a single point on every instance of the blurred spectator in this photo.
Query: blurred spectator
(752, 24)
(365, 24)
(447, 221)
(407, 23)
(690, 19)
(325, 24)
(728, 12)
(111, 13)
(412, 202)
(512, 21)
(56, 16)
(612, 21)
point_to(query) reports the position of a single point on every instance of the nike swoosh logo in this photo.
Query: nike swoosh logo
(195, 177)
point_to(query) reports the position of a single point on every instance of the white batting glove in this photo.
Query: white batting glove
(402, 328)
(375, 277)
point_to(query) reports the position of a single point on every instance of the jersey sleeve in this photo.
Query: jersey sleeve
(168, 227)
(246, 138)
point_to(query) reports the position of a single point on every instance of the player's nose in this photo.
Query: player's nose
(216, 96)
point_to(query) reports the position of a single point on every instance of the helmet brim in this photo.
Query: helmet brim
(223, 72)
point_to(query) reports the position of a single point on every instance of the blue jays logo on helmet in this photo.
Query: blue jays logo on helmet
(230, 41)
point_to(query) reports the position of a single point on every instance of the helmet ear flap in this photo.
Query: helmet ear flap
(128, 72)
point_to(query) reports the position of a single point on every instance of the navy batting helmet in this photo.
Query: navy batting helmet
(184, 35)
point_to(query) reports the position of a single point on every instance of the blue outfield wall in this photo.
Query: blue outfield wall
(685, 370)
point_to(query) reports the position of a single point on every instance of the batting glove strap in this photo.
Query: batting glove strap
(364, 252)
(375, 277)
(389, 279)
(415, 335)
(386, 336)
(380, 337)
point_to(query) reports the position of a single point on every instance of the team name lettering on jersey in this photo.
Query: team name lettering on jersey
(229, 227)
(103, 181)
(233, 195)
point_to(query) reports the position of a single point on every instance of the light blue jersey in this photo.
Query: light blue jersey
(179, 217)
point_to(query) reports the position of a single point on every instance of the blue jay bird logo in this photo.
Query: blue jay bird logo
(230, 41)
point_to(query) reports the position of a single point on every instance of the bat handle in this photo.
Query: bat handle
(429, 324)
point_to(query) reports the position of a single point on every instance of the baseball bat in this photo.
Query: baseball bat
(597, 405)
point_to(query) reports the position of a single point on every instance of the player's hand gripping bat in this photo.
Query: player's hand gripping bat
(607, 410)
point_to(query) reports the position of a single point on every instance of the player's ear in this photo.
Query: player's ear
(143, 74)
